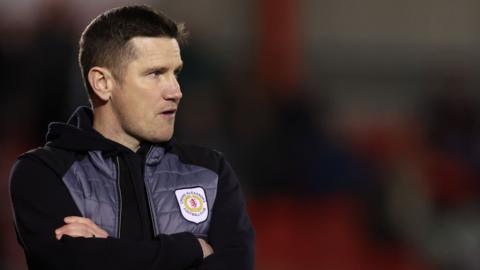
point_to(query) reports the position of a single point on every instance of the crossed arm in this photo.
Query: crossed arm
(86, 228)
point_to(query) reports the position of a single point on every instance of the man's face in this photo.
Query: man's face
(147, 97)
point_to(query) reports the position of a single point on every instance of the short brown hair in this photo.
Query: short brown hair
(105, 41)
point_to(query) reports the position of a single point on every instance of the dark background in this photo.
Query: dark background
(353, 125)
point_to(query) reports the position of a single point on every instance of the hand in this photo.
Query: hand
(80, 227)
(206, 248)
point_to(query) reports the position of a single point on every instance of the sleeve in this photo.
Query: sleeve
(40, 201)
(231, 234)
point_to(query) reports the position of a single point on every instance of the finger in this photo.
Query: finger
(98, 231)
(101, 234)
(71, 227)
(60, 231)
(82, 220)
(75, 230)
(80, 230)
(75, 234)
(71, 219)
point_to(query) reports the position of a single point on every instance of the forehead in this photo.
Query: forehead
(156, 51)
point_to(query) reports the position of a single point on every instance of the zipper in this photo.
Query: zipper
(119, 190)
(149, 197)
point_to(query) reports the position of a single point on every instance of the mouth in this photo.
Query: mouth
(169, 112)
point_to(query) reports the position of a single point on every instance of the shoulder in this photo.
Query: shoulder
(46, 157)
(39, 165)
(39, 172)
(30, 174)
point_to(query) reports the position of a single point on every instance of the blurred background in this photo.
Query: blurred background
(354, 125)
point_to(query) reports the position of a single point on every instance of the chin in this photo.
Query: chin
(161, 138)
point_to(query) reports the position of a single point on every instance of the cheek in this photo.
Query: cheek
(142, 101)
(133, 109)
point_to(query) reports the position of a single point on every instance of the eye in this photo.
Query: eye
(157, 72)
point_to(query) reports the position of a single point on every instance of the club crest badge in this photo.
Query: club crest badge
(193, 204)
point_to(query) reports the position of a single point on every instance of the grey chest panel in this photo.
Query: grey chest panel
(92, 183)
(171, 185)
(181, 196)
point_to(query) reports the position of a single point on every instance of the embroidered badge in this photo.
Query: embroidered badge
(193, 204)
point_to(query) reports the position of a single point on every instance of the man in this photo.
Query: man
(111, 189)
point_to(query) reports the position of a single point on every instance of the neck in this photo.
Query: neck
(107, 124)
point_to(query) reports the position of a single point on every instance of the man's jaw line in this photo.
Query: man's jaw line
(102, 122)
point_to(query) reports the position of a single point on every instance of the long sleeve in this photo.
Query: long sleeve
(41, 201)
(231, 233)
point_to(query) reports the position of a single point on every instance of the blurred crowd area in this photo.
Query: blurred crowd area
(353, 125)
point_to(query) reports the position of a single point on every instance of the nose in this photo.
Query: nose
(173, 91)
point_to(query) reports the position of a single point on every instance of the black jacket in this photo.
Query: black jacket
(41, 201)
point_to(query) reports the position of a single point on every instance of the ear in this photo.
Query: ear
(102, 82)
